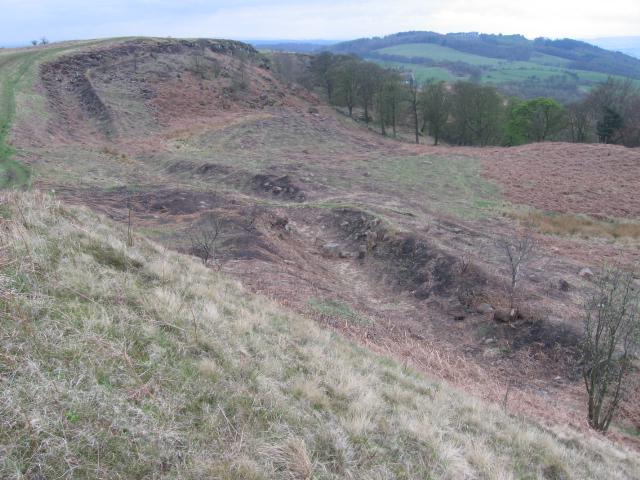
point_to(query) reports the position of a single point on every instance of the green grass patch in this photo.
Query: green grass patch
(438, 53)
(12, 68)
(337, 310)
(450, 184)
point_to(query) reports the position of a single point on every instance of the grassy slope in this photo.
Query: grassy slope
(12, 67)
(18, 70)
(540, 66)
(137, 362)
(438, 53)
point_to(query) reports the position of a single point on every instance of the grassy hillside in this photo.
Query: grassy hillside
(18, 69)
(137, 362)
(561, 68)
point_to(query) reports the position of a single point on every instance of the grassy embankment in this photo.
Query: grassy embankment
(138, 362)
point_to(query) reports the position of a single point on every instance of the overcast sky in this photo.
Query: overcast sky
(23, 20)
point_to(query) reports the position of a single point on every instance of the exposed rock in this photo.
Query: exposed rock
(484, 308)
(331, 249)
(313, 110)
(281, 222)
(504, 316)
(586, 273)
(283, 187)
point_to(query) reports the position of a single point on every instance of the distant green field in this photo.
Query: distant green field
(438, 53)
(540, 66)
(423, 73)
(544, 59)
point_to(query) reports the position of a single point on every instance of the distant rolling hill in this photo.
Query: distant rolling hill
(564, 68)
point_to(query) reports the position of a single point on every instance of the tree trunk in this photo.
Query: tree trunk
(393, 119)
(415, 122)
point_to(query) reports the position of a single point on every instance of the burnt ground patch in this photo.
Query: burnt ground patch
(283, 187)
(209, 170)
(412, 263)
(418, 266)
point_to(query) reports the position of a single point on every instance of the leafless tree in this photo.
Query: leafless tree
(518, 251)
(611, 337)
(129, 224)
(204, 239)
(414, 104)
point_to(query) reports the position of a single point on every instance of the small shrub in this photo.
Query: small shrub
(612, 334)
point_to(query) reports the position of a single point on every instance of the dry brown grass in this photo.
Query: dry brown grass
(582, 226)
(137, 362)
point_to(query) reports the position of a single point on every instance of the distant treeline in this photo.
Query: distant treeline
(581, 55)
(467, 113)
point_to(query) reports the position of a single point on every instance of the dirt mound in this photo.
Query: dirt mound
(140, 86)
(282, 187)
(569, 178)
(410, 262)
(202, 169)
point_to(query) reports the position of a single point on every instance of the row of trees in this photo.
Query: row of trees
(467, 113)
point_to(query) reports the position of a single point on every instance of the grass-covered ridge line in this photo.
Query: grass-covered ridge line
(18, 71)
(12, 68)
(138, 362)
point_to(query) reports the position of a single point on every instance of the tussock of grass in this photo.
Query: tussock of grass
(141, 363)
(583, 226)
(337, 310)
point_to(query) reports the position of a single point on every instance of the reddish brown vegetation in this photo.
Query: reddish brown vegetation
(569, 178)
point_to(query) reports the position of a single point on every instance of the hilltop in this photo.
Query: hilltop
(346, 300)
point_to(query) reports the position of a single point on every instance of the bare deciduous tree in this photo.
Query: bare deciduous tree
(414, 103)
(611, 336)
(129, 223)
(518, 251)
(204, 239)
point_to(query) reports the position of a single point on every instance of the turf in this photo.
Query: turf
(442, 183)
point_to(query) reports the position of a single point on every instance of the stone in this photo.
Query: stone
(331, 249)
(484, 308)
(563, 285)
(504, 316)
(586, 273)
